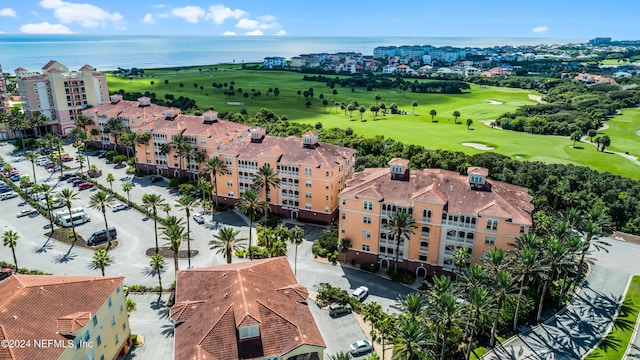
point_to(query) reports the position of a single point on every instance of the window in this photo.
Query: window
(113, 320)
(307, 183)
(230, 193)
(368, 205)
(492, 224)
(426, 215)
(326, 186)
(424, 244)
(490, 240)
(307, 195)
(366, 234)
(249, 331)
(326, 174)
(344, 202)
(522, 229)
(307, 206)
(99, 340)
(367, 220)
(95, 320)
(116, 339)
(118, 290)
(326, 197)
(366, 247)
(121, 308)
(343, 216)
(422, 257)
(230, 182)
(307, 171)
(203, 140)
(425, 231)
(343, 229)
(227, 161)
(109, 301)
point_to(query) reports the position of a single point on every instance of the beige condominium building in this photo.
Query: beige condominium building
(312, 173)
(63, 317)
(60, 94)
(450, 211)
(4, 95)
(205, 133)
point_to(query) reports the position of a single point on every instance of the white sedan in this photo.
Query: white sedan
(118, 207)
(361, 293)
(26, 212)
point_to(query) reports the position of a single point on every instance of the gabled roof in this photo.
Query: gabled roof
(439, 186)
(212, 303)
(49, 307)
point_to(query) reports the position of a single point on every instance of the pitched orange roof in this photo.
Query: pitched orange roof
(211, 303)
(443, 187)
(46, 306)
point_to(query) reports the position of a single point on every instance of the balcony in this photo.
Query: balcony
(459, 225)
(424, 249)
(426, 219)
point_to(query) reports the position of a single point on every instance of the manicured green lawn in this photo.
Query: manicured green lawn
(480, 103)
(622, 131)
(615, 344)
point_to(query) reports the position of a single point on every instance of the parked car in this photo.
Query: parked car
(26, 212)
(8, 195)
(337, 309)
(77, 182)
(361, 293)
(73, 178)
(15, 177)
(198, 217)
(118, 207)
(5, 272)
(102, 154)
(360, 347)
(54, 169)
(85, 185)
(4, 189)
(156, 179)
(67, 159)
(49, 165)
(66, 176)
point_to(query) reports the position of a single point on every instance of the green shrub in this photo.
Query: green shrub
(174, 182)
(259, 252)
(356, 305)
(5, 264)
(110, 154)
(143, 288)
(402, 276)
(240, 253)
(370, 267)
(328, 294)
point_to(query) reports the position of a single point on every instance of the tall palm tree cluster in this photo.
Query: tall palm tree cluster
(507, 288)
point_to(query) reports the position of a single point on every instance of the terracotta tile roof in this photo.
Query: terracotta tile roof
(476, 170)
(20, 69)
(442, 187)
(129, 109)
(6, 353)
(49, 64)
(38, 306)
(222, 298)
(290, 150)
(86, 67)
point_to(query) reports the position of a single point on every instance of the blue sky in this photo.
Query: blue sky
(539, 18)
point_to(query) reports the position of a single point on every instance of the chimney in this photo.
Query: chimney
(210, 117)
(310, 140)
(399, 169)
(257, 134)
(477, 177)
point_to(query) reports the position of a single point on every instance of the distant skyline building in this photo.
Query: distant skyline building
(4, 95)
(60, 94)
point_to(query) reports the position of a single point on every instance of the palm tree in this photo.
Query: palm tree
(296, 237)
(557, 257)
(166, 208)
(153, 202)
(495, 260)
(527, 264)
(101, 259)
(10, 239)
(412, 306)
(115, 128)
(68, 195)
(110, 179)
(461, 259)
(433, 114)
(82, 122)
(37, 119)
(480, 303)
(129, 140)
(32, 157)
(143, 139)
(226, 242)
(412, 342)
(449, 315)
(504, 287)
(594, 224)
(250, 205)
(401, 225)
(80, 160)
(158, 264)
(127, 187)
(100, 201)
(341, 355)
(46, 190)
(215, 167)
(456, 115)
(266, 178)
(174, 234)
(187, 203)
(178, 144)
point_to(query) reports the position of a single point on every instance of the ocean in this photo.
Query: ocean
(110, 52)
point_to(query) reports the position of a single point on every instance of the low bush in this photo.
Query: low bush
(240, 253)
(317, 249)
(142, 288)
(402, 276)
(258, 252)
(24, 271)
(370, 267)
(328, 294)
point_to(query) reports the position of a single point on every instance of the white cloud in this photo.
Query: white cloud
(541, 29)
(159, 6)
(229, 33)
(8, 12)
(87, 15)
(190, 13)
(219, 13)
(148, 19)
(256, 32)
(45, 28)
(250, 24)
(281, 32)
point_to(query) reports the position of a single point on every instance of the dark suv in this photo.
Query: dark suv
(338, 309)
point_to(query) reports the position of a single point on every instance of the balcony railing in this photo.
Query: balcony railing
(458, 224)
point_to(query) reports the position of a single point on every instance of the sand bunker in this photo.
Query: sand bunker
(494, 102)
(234, 103)
(477, 146)
(638, 132)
